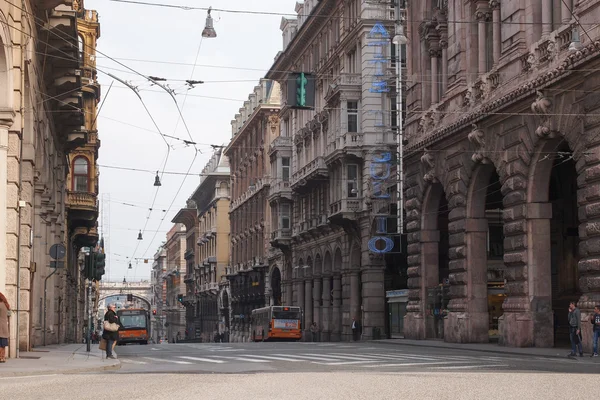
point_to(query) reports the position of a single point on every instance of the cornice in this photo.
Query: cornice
(522, 91)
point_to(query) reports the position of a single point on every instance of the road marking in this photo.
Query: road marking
(27, 376)
(343, 357)
(227, 350)
(128, 361)
(155, 349)
(413, 364)
(311, 357)
(245, 359)
(165, 360)
(345, 362)
(471, 366)
(202, 359)
(275, 358)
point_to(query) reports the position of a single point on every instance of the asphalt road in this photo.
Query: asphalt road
(331, 371)
(331, 357)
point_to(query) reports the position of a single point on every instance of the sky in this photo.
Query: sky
(166, 43)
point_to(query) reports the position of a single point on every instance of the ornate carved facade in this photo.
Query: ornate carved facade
(501, 186)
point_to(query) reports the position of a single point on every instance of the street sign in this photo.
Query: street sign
(58, 251)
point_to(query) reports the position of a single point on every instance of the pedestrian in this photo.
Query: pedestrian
(595, 320)
(355, 329)
(111, 330)
(575, 330)
(314, 330)
(4, 313)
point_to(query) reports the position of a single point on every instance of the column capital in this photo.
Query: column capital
(435, 52)
(495, 4)
(483, 14)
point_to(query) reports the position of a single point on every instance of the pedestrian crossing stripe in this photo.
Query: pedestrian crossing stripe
(360, 360)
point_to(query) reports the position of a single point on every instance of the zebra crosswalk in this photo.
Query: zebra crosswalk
(337, 358)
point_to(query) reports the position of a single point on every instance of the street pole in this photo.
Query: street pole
(89, 303)
(399, 122)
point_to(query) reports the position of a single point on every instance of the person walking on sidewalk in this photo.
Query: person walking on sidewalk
(575, 330)
(595, 320)
(111, 335)
(314, 330)
(4, 311)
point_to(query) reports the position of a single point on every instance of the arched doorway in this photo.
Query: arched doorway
(553, 230)
(276, 286)
(485, 255)
(435, 260)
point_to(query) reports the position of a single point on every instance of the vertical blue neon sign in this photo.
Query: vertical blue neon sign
(381, 166)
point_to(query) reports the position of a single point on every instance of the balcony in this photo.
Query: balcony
(280, 189)
(281, 143)
(347, 209)
(281, 238)
(314, 170)
(343, 143)
(252, 190)
(82, 208)
(188, 279)
(347, 83)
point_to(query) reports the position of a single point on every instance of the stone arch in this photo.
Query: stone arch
(300, 268)
(337, 260)
(143, 299)
(327, 263)
(275, 281)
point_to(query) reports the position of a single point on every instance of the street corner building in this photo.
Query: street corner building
(48, 149)
(333, 185)
(501, 161)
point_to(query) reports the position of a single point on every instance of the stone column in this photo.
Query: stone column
(308, 310)
(289, 292)
(317, 293)
(539, 273)
(326, 310)
(336, 319)
(444, 46)
(496, 37)
(565, 14)
(373, 300)
(434, 53)
(355, 296)
(300, 298)
(477, 306)
(481, 16)
(546, 17)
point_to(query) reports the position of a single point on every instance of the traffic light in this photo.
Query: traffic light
(88, 267)
(99, 265)
(301, 91)
(180, 298)
(153, 312)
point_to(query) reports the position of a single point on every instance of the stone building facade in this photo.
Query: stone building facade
(501, 169)
(250, 215)
(323, 213)
(175, 287)
(159, 289)
(208, 209)
(41, 123)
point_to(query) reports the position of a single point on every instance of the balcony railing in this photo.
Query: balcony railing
(341, 139)
(281, 234)
(279, 143)
(82, 200)
(255, 188)
(280, 188)
(311, 170)
(348, 205)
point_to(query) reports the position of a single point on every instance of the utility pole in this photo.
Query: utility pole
(89, 300)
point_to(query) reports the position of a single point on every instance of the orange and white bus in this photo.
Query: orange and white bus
(136, 326)
(276, 322)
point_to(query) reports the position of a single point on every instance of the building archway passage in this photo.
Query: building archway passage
(434, 250)
(276, 286)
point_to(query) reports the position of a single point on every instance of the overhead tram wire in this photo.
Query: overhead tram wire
(179, 119)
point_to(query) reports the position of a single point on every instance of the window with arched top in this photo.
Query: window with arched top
(81, 175)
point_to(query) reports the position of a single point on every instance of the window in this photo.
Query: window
(285, 216)
(352, 116)
(352, 180)
(285, 169)
(80, 175)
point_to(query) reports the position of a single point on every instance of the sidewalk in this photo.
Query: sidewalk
(58, 359)
(481, 347)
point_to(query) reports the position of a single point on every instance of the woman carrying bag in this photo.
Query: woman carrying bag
(110, 332)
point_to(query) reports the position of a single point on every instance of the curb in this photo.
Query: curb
(113, 367)
(469, 349)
